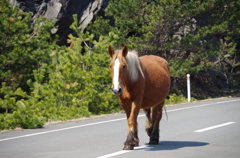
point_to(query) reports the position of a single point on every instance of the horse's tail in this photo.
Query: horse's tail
(165, 111)
(167, 97)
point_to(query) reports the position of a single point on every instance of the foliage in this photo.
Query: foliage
(41, 81)
(177, 99)
(191, 35)
(22, 44)
(50, 82)
(80, 80)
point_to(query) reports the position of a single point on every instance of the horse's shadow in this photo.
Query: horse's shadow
(172, 145)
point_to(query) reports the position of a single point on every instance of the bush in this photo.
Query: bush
(24, 45)
(41, 81)
(176, 99)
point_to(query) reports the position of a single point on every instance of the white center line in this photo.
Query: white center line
(202, 105)
(115, 154)
(62, 129)
(122, 152)
(102, 122)
(173, 110)
(213, 127)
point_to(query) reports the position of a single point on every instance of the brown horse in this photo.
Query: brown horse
(141, 83)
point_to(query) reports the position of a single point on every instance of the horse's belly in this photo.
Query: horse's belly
(154, 96)
(157, 81)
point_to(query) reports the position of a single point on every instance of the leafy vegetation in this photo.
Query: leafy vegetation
(41, 81)
(196, 37)
(176, 99)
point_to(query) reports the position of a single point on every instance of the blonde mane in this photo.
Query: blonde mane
(133, 65)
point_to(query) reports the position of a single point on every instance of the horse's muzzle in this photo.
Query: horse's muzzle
(117, 91)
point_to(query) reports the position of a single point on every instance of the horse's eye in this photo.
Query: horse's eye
(124, 66)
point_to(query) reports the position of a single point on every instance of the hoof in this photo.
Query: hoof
(153, 142)
(128, 147)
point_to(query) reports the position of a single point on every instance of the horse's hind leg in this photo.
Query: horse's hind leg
(148, 125)
(156, 117)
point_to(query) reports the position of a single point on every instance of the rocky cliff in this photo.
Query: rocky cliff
(62, 11)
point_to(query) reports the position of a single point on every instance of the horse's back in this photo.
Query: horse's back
(157, 80)
(152, 61)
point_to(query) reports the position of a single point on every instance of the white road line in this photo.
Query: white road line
(115, 154)
(102, 122)
(122, 152)
(62, 129)
(213, 127)
(198, 106)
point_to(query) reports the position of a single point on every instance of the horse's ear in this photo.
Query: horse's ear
(125, 51)
(110, 51)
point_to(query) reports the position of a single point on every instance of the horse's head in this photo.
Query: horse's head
(118, 67)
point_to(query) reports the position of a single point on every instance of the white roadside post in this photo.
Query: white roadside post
(188, 88)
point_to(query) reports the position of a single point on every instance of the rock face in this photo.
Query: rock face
(62, 11)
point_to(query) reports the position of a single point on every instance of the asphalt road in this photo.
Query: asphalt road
(202, 129)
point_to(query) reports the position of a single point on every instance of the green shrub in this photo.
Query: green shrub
(26, 114)
(41, 81)
(176, 99)
(24, 45)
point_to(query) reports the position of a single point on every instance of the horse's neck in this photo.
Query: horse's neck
(127, 85)
(130, 87)
(126, 92)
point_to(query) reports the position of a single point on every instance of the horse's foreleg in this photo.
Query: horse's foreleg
(148, 125)
(132, 138)
(156, 117)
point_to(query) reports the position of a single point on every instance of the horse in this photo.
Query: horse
(140, 83)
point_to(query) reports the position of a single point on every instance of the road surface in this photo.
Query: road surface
(201, 129)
